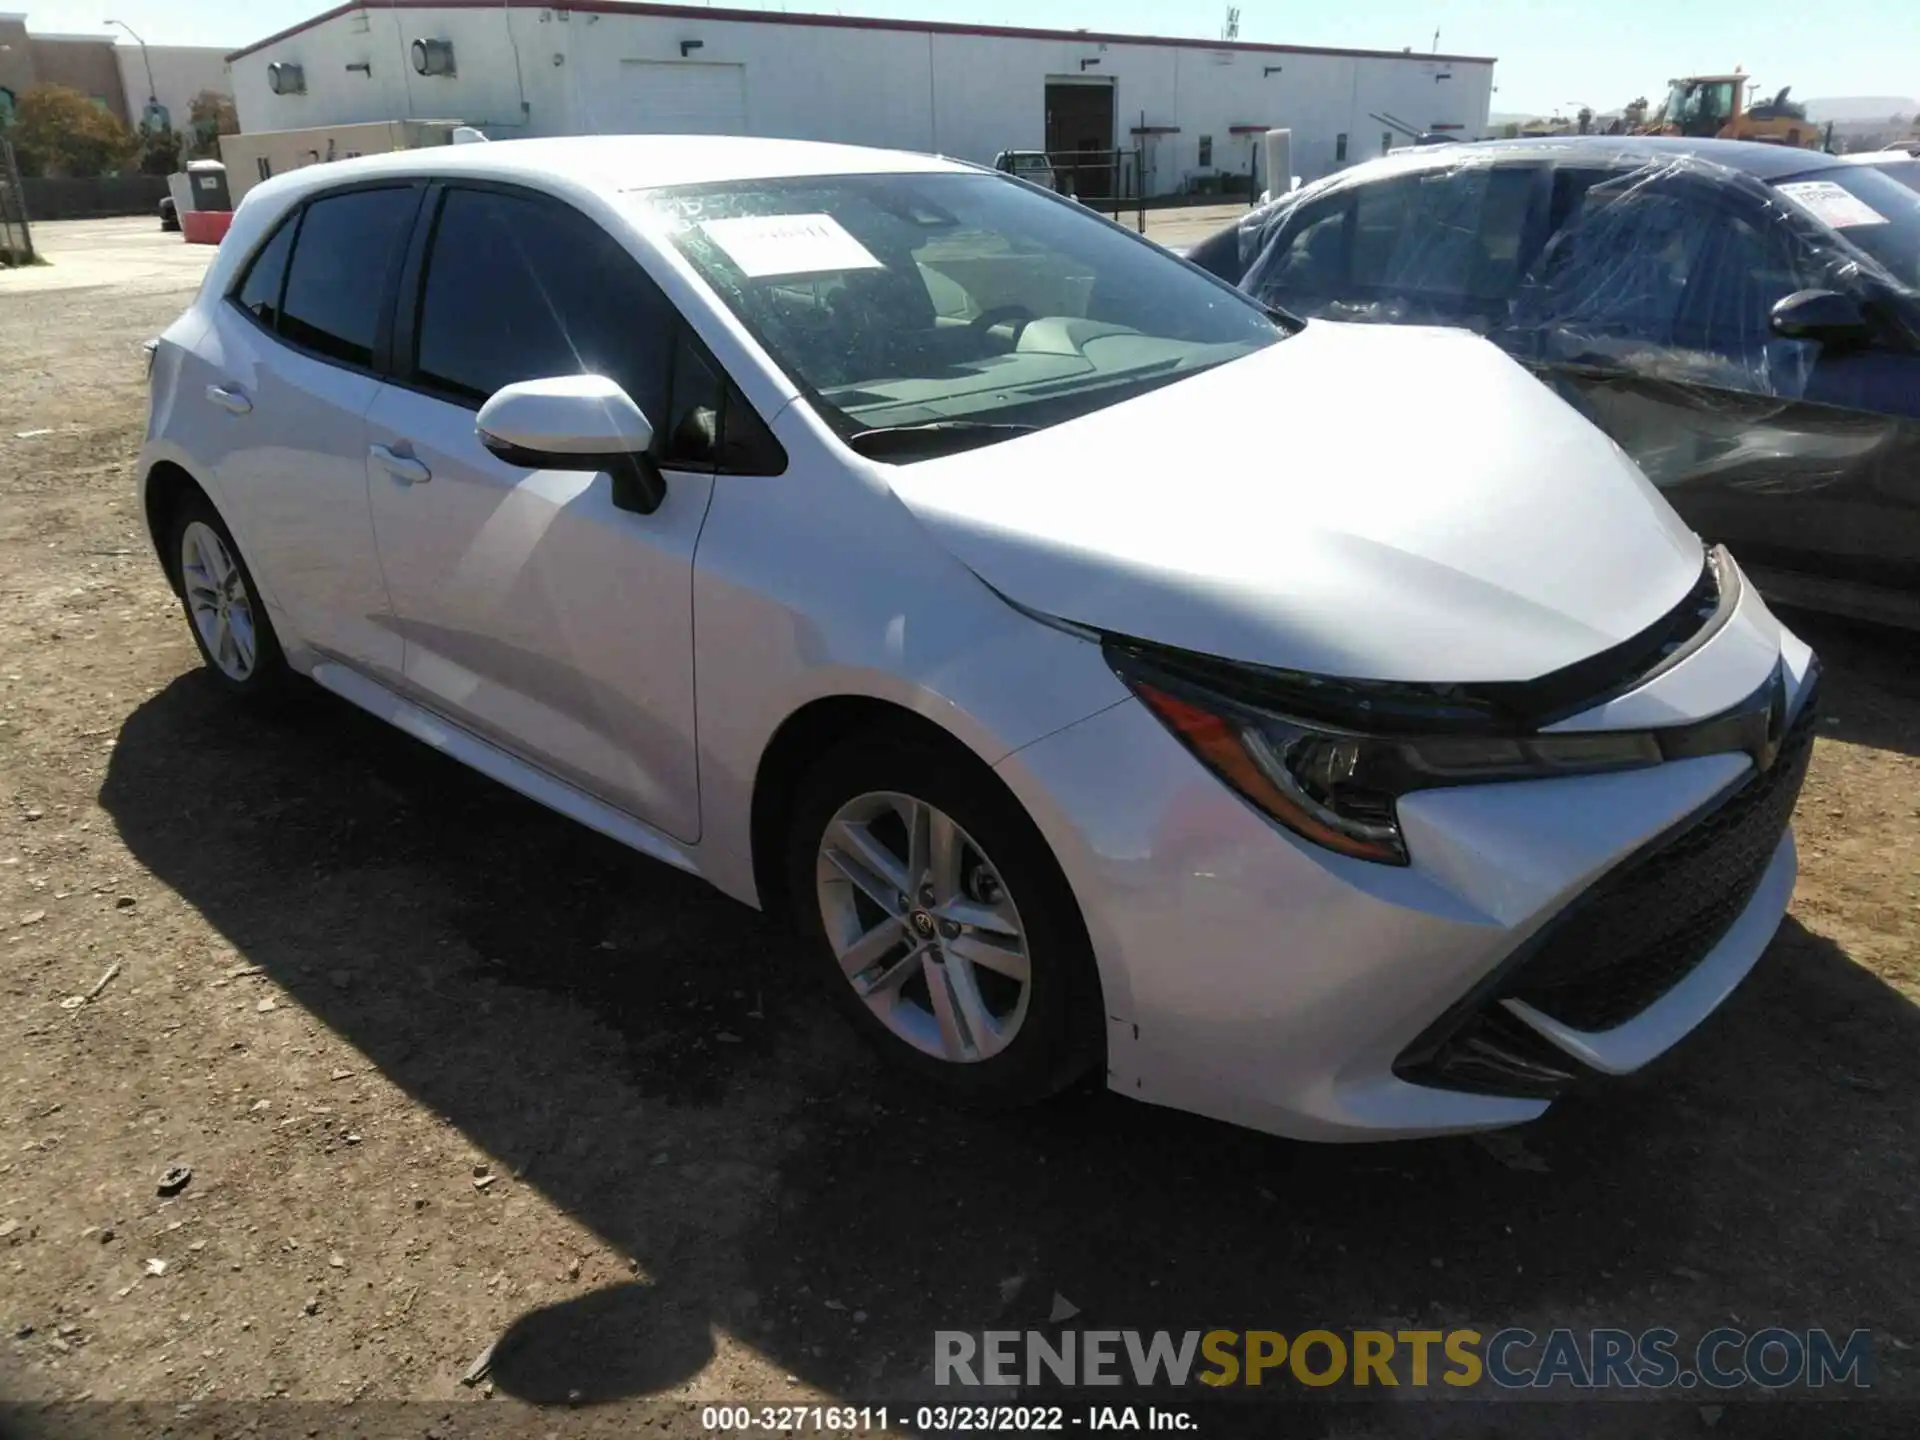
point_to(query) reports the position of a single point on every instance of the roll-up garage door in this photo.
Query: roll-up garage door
(672, 97)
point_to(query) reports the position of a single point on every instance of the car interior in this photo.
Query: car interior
(958, 316)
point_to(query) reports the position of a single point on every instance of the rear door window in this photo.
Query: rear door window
(1304, 265)
(337, 281)
(1441, 247)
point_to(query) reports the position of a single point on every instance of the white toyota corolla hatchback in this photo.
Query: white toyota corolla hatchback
(1103, 672)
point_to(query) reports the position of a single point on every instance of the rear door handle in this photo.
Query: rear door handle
(404, 468)
(234, 402)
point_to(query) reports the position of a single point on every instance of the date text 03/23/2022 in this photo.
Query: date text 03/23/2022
(944, 1419)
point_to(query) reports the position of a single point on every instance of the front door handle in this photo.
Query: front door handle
(233, 401)
(404, 468)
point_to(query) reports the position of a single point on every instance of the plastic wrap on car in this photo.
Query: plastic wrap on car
(1717, 410)
(1599, 292)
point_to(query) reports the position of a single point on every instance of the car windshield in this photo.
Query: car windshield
(954, 309)
(1907, 172)
(1871, 209)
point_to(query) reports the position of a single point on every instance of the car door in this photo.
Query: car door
(1648, 308)
(537, 612)
(288, 376)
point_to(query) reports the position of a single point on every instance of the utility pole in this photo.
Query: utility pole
(153, 93)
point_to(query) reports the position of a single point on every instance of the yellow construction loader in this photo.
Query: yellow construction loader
(1715, 107)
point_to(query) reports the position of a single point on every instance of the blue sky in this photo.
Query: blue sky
(1553, 54)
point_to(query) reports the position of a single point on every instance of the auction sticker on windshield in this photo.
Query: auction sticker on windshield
(1831, 204)
(764, 245)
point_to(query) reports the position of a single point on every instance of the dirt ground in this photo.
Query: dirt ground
(451, 1071)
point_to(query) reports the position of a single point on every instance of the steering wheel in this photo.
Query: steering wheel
(1019, 315)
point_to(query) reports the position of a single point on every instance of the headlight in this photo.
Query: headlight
(1337, 786)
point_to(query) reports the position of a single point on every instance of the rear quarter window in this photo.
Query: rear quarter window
(259, 290)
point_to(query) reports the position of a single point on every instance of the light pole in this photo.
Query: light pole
(153, 95)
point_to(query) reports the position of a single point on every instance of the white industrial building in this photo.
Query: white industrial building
(1193, 109)
(172, 76)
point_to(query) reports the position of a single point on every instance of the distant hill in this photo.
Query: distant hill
(1861, 107)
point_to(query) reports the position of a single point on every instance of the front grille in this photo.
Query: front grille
(1642, 929)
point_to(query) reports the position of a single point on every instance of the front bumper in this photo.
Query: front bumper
(1258, 979)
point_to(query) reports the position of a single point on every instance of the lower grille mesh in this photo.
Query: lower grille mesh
(1643, 928)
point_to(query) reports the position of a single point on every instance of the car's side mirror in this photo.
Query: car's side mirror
(1823, 315)
(576, 422)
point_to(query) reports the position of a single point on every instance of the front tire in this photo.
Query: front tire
(224, 611)
(941, 924)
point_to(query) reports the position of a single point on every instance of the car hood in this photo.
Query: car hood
(1390, 503)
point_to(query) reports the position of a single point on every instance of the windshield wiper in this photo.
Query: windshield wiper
(936, 437)
(1285, 319)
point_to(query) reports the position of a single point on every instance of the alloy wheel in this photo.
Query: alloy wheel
(925, 930)
(217, 599)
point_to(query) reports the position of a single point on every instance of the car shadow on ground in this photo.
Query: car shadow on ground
(1871, 680)
(643, 1049)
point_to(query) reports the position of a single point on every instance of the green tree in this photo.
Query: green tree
(59, 131)
(209, 116)
(161, 152)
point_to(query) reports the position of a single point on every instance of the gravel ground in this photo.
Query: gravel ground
(450, 1071)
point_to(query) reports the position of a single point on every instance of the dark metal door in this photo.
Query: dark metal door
(1080, 137)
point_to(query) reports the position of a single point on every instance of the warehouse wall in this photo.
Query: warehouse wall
(802, 82)
(180, 72)
(960, 94)
(488, 89)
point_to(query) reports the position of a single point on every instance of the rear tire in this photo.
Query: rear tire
(225, 614)
(960, 956)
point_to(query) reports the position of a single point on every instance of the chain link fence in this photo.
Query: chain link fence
(16, 240)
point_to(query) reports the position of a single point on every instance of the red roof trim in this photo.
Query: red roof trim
(851, 22)
(1248, 129)
(1154, 130)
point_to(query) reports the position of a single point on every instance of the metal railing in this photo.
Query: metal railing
(16, 239)
(1110, 181)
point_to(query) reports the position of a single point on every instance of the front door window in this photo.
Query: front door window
(1664, 280)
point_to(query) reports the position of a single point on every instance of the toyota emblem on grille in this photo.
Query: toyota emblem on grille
(1776, 721)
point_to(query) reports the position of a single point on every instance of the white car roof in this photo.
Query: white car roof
(621, 162)
(585, 168)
